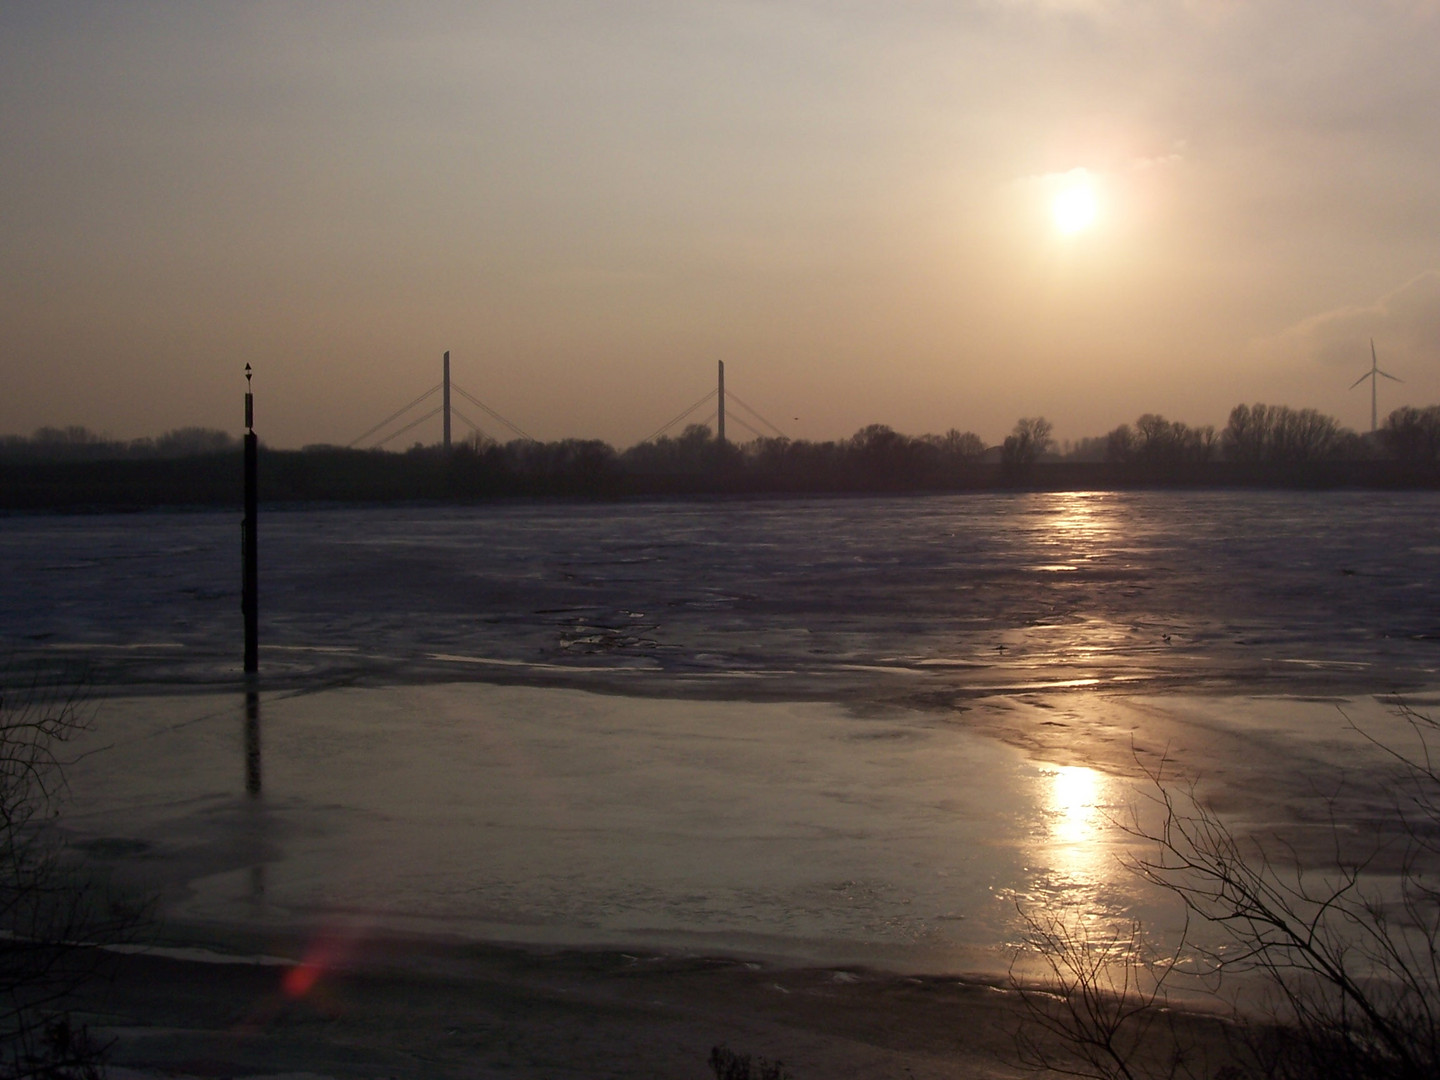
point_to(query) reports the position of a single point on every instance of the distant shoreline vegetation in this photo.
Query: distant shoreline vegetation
(1260, 446)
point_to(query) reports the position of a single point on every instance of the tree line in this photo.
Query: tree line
(1260, 444)
(77, 443)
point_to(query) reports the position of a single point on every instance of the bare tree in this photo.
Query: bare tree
(1353, 965)
(1278, 433)
(51, 913)
(1102, 1012)
(959, 446)
(1413, 435)
(728, 1065)
(1030, 440)
(1350, 958)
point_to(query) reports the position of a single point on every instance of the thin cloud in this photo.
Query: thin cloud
(1100, 176)
(1052, 180)
(1062, 7)
(1171, 160)
(1405, 325)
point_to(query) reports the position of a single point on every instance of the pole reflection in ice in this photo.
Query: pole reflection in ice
(256, 816)
(252, 740)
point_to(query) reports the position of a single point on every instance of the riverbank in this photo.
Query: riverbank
(411, 1009)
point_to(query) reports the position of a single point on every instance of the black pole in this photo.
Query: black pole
(250, 592)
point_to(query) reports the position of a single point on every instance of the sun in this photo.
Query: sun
(1075, 208)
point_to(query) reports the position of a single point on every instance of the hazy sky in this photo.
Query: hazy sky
(589, 203)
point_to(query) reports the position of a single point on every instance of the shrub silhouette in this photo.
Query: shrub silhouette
(1352, 966)
(51, 914)
(728, 1065)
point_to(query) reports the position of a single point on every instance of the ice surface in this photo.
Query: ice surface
(828, 598)
(553, 815)
(845, 729)
(893, 837)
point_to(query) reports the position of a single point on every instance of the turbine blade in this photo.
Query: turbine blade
(1358, 381)
(1388, 375)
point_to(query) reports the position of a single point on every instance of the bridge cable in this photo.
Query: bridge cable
(413, 423)
(752, 412)
(394, 416)
(666, 427)
(747, 427)
(476, 401)
(472, 425)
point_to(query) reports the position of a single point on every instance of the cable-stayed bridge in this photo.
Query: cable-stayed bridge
(445, 410)
(719, 395)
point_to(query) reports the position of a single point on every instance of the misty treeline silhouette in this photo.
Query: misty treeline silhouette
(75, 443)
(1260, 445)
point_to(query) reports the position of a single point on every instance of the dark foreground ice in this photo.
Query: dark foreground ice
(853, 730)
(897, 838)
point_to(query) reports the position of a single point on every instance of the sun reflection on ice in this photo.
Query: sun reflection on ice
(1077, 806)
(1085, 533)
(1074, 790)
(1081, 522)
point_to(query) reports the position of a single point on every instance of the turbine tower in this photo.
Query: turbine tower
(1373, 375)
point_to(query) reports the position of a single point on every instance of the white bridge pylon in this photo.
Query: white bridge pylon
(444, 387)
(721, 397)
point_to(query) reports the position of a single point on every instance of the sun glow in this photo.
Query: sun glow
(1075, 208)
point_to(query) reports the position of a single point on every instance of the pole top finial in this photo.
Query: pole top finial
(249, 403)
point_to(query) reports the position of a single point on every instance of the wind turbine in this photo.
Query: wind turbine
(1372, 376)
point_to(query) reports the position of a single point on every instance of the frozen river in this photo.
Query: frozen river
(850, 730)
(1237, 590)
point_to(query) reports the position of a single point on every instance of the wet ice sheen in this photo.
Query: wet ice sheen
(894, 837)
(517, 813)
